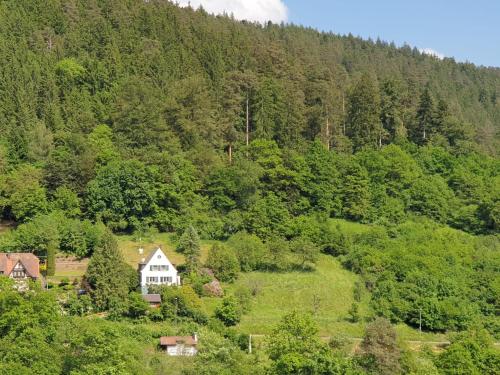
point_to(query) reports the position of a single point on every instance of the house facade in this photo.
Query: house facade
(20, 266)
(157, 270)
(179, 345)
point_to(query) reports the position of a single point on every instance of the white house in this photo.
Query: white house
(157, 270)
(180, 345)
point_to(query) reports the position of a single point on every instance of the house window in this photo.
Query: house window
(158, 268)
(18, 274)
(169, 279)
(152, 279)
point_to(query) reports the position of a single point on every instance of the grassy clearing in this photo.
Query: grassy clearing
(350, 227)
(326, 292)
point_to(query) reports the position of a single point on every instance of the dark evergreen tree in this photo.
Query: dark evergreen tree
(106, 276)
(363, 114)
(392, 110)
(425, 118)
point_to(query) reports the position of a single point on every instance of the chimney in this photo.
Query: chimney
(142, 264)
(195, 338)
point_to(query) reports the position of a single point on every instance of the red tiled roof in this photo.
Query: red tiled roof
(29, 261)
(174, 340)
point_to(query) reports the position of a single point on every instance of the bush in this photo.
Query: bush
(137, 306)
(244, 296)
(223, 262)
(249, 249)
(354, 313)
(181, 302)
(79, 305)
(229, 312)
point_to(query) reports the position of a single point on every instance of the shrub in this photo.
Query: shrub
(229, 312)
(249, 249)
(223, 261)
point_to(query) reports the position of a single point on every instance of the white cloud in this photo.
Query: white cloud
(251, 10)
(431, 52)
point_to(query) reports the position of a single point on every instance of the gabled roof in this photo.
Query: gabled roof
(29, 261)
(174, 340)
(153, 253)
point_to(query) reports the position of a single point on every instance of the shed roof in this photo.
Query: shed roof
(174, 340)
(152, 298)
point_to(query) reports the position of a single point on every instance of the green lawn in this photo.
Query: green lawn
(327, 292)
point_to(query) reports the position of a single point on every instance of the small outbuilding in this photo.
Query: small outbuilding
(154, 300)
(180, 345)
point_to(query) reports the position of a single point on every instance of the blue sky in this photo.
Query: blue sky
(465, 30)
(468, 30)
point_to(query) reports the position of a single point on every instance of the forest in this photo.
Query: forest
(132, 118)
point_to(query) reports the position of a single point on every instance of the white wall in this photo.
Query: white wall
(159, 259)
(181, 350)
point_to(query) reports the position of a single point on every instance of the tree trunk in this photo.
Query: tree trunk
(327, 133)
(343, 112)
(247, 132)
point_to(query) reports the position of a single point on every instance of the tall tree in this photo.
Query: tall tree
(363, 114)
(106, 274)
(189, 245)
(295, 348)
(425, 119)
(391, 113)
(380, 351)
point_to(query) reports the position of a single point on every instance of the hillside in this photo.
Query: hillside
(339, 189)
(78, 66)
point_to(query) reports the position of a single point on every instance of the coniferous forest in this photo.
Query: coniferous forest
(130, 117)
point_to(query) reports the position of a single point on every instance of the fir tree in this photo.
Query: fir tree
(189, 245)
(425, 119)
(106, 275)
(363, 116)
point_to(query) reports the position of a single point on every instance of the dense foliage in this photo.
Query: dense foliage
(134, 113)
(139, 115)
(421, 273)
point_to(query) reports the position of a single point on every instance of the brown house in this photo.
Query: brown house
(20, 266)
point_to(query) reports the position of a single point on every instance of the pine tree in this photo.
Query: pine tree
(392, 110)
(425, 120)
(363, 115)
(106, 274)
(189, 245)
